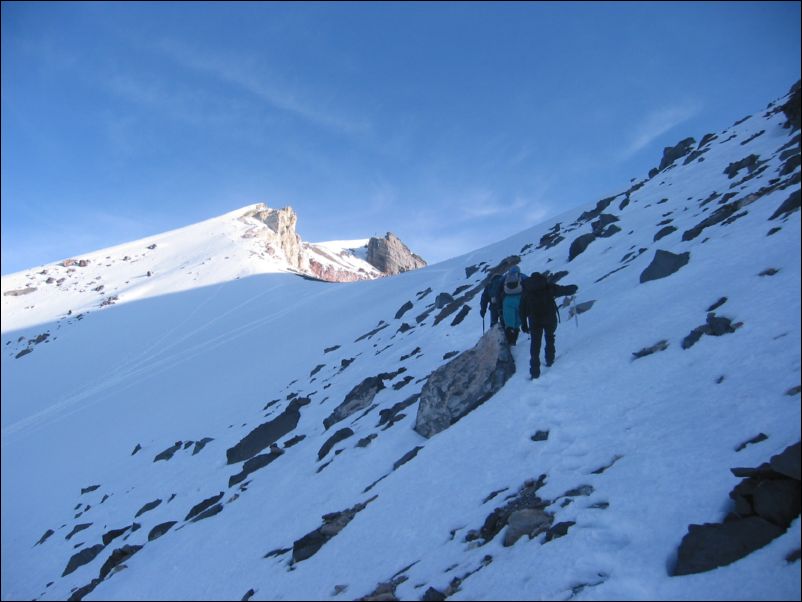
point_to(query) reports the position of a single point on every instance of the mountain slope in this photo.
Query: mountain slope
(636, 449)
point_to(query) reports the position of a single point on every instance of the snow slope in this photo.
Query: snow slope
(210, 346)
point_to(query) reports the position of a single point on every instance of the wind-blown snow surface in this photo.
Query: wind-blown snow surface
(176, 361)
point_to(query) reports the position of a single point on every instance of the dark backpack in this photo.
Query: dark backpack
(539, 299)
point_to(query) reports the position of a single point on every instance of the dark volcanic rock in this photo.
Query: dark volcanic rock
(387, 415)
(269, 432)
(442, 300)
(789, 205)
(714, 326)
(526, 498)
(407, 457)
(664, 264)
(580, 244)
(160, 530)
(357, 399)
(253, 464)
(664, 232)
(168, 453)
(78, 528)
(199, 445)
(333, 523)
(461, 315)
(749, 163)
(44, 537)
(110, 536)
(403, 309)
(198, 508)
(81, 558)
(148, 507)
(340, 435)
(117, 557)
(659, 346)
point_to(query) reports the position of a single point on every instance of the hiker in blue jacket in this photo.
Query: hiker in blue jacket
(491, 297)
(510, 304)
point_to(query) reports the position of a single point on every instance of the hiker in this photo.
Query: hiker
(539, 316)
(510, 304)
(491, 297)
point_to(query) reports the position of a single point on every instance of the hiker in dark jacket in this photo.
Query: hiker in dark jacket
(539, 316)
(491, 296)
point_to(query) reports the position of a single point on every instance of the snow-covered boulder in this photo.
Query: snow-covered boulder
(464, 383)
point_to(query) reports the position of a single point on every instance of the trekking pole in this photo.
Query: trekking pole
(483, 325)
(576, 313)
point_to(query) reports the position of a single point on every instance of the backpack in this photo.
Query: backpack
(512, 280)
(540, 302)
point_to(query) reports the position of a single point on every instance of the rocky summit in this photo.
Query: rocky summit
(384, 256)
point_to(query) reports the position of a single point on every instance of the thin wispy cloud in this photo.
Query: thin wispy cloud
(482, 204)
(248, 77)
(657, 123)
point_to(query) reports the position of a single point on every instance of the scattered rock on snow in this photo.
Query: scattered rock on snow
(267, 433)
(160, 530)
(333, 523)
(358, 398)
(659, 346)
(715, 326)
(664, 264)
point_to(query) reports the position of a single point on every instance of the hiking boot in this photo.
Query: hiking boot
(535, 374)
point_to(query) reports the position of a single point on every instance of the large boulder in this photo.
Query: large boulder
(391, 256)
(766, 502)
(464, 383)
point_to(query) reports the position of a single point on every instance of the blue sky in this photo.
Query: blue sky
(451, 124)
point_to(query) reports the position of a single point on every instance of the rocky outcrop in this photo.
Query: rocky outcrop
(792, 107)
(672, 153)
(391, 256)
(765, 504)
(464, 383)
(280, 233)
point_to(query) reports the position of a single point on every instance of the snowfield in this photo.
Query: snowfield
(219, 340)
